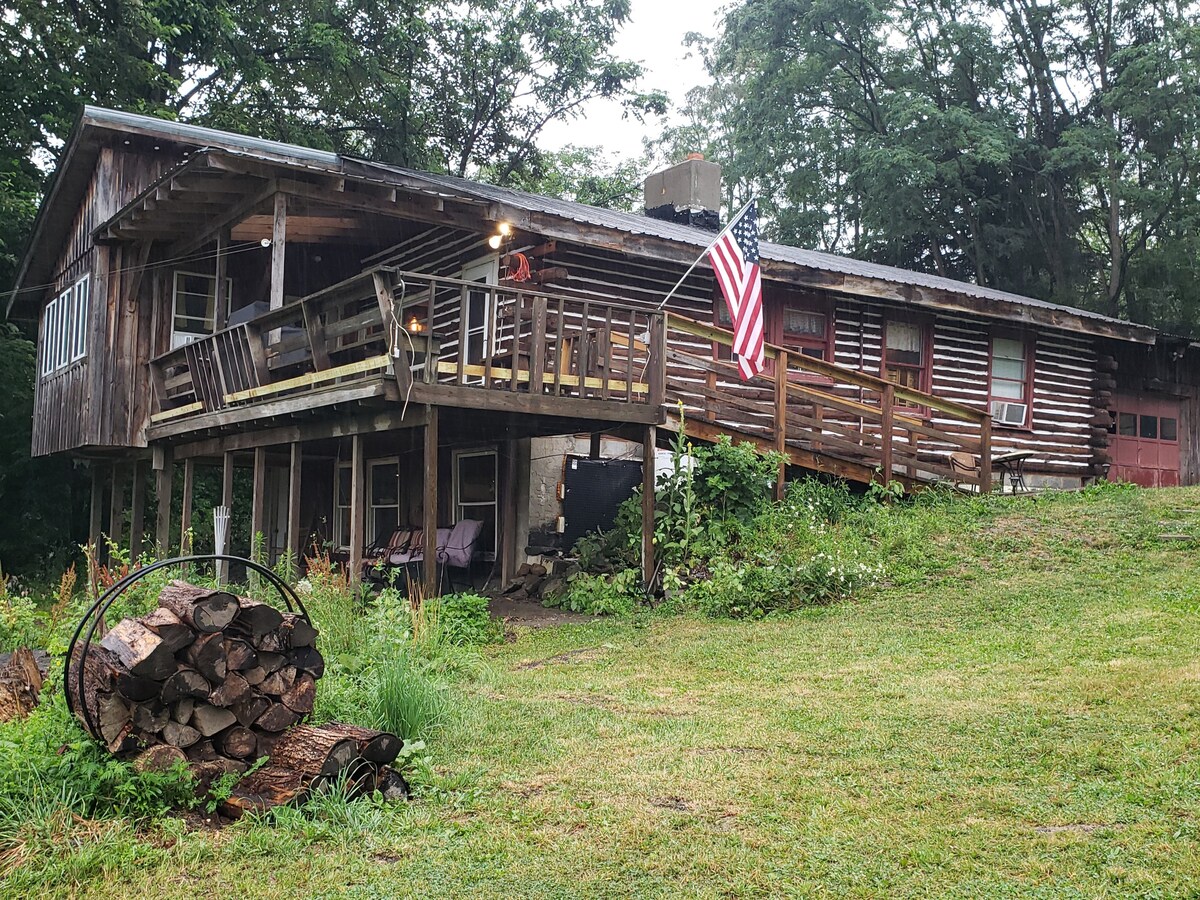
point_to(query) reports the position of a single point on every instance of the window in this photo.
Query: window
(805, 330)
(194, 306)
(79, 319)
(475, 494)
(722, 319)
(1009, 387)
(906, 356)
(341, 505)
(383, 497)
(64, 328)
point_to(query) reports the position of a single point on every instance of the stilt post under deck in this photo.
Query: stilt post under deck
(430, 505)
(185, 512)
(508, 523)
(96, 513)
(164, 471)
(295, 540)
(357, 511)
(649, 439)
(116, 505)
(259, 502)
(137, 518)
(227, 501)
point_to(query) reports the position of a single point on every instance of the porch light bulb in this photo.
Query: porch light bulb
(414, 326)
(266, 242)
(494, 241)
(505, 229)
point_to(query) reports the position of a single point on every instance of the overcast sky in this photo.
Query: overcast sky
(653, 37)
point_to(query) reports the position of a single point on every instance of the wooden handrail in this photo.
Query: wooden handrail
(833, 370)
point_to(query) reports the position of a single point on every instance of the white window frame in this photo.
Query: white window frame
(483, 271)
(80, 306)
(460, 506)
(63, 330)
(180, 338)
(48, 342)
(340, 511)
(372, 506)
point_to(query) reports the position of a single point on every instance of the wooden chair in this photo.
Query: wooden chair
(967, 465)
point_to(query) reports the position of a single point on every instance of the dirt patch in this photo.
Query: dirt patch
(1079, 828)
(583, 654)
(678, 804)
(529, 614)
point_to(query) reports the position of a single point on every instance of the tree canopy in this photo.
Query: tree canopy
(1048, 148)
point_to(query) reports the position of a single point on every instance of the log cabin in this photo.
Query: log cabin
(384, 347)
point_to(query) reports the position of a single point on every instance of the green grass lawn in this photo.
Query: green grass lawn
(1024, 722)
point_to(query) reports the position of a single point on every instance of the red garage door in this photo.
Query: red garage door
(1145, 441)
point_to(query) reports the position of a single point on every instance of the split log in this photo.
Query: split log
(277, 683)
(173, 632)
(207, 655)
(232, 690)
(268, 787)
(185, 683)
(294, 631)
(139, 649)
(181, 710)
(391, 784)
(314, 751)
(308, 659)
(301, 696)
(178, 735)
(203, 751)
(277, 718)
(255, 675)
(239, 655)
(270, 661)
(20, 685)
(249, 709)
(256, 618)
(104, 672)
(374, 746)
(151, 716)
(115, 722)
(237, 742)
(205, 610)
(158, 758)
(208, 719)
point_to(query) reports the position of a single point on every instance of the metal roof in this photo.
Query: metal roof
(297, 156)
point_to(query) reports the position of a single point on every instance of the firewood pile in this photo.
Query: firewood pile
(219, 681)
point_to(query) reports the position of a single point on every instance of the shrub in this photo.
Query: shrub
(597, 595)
(466, 620)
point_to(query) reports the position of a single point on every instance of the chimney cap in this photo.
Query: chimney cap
(694, 156)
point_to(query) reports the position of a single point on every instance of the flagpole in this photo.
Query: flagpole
(703, 253)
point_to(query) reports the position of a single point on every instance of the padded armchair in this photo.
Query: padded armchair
(459, 550)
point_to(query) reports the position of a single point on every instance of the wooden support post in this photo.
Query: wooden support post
(658, 360)
(295, 540)
(258, 503)
(888, 400)
(357, 512)
(96, 513)
(781, 398)
(537, 350)
(221, 303)
(278, 249)
(116, 505)
(985, 457)
(163, 486)
(429, 515)
(508, 525)
(594, 448)
(185, 513)
(226, 500)
(649, 438)
(137, 517)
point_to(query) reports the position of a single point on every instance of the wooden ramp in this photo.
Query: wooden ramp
(821, 416)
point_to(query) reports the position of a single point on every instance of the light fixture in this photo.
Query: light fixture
(414, 325)
(495, 241)
(505, 229)
(266, 242)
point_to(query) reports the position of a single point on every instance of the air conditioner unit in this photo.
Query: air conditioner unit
(1006, 413)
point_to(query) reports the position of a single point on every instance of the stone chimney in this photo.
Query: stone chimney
(688, 193)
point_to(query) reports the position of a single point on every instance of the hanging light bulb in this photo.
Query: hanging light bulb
(414, 325)
(494, 241)
(505, 229)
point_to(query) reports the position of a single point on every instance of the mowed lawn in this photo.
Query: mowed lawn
(1023, 722)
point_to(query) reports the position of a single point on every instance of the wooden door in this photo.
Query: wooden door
(1144, 440)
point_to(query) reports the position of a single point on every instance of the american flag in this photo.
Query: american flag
(734, 258)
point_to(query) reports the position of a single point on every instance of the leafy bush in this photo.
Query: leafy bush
(597, 595)
(466, 620)
(20, 624)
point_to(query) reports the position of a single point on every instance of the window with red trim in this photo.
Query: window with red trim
(722, 319)
(907, 356)
(1010, 380)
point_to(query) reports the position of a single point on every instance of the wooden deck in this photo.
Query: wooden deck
(563, 357)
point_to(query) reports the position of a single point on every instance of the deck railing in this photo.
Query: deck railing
(837, 415)
(428, 331)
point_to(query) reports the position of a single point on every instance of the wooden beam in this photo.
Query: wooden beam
(185, 513)
(889, 409)
(236, 213)
(508, 524)
(222, 294)
(259, 499)
(295, 540)
(649, 439)
(429, 512)
(137, 519)
(278, 249)
(227, 501)
(163, 486)
(116, 505)
(357, 511)
(96, 511)
(781, 397)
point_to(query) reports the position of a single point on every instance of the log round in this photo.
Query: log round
(374, 746)
(314, 751)
(206, 611)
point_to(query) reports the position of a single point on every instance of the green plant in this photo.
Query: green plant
(408, 700)
(597, 595)
(466, 620)
(20, 624)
